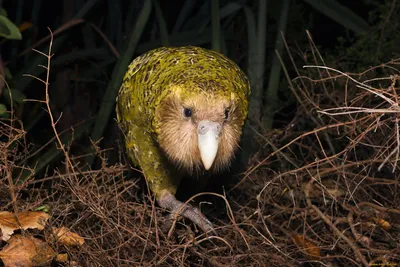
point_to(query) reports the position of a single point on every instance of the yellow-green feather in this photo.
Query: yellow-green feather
(152, 77)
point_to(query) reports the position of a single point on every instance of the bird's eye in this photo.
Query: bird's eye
(226, 113)
(187, 112)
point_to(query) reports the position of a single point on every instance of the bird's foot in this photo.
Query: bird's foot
(168, 201)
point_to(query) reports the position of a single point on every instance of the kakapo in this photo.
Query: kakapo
(182, 110)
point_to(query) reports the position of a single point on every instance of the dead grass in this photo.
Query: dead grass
(328, 195)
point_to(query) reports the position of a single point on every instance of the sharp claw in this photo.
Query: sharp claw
(195, 215)
(169, 202)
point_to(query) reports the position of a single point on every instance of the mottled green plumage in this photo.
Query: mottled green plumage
(158, 75)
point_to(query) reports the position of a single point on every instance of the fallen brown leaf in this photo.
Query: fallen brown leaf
(62, 257)
(26, 251)
(26, 220)
(311, 250)
(67, 238)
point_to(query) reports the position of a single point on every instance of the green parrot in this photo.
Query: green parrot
(182, 111)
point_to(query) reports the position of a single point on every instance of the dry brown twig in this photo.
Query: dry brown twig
(49, 55)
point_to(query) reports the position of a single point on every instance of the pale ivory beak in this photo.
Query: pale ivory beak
(208, 139)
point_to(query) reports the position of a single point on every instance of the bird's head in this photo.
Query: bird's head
(198, 128)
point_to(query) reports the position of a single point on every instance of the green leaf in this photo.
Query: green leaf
(184, 14)
(229, 9)
(275, 72)
(251, 34)
(108, 102)
(8, 29)
(3, 12)
(44, 208)
(216, 26)
(3, 109)
(164, 36)
(7, 73)
(17, 96)
(257, 32)
(85, 9)
(54, 152)
(340, 14)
